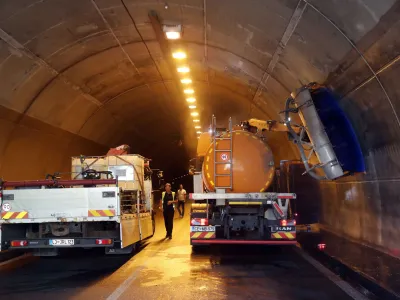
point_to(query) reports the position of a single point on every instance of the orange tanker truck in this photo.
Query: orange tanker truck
(235, 168)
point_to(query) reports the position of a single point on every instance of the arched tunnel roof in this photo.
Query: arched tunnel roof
(83, 76)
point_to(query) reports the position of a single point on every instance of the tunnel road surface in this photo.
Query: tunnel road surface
(167, 269)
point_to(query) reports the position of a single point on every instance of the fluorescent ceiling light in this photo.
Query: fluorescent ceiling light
(192, 106)
(179, 55)
(197, 127)
(183, 69)
(194, 114)
(186, 80)
(198, 132)
(188, 91)
(172, 32)
(196, 120)
(191, 100)
(173, 35)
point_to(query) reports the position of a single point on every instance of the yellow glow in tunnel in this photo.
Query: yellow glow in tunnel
(186, 80)
(183, 69)
(188, 91)
(179, 55)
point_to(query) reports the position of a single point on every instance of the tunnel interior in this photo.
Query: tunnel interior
(79, 77)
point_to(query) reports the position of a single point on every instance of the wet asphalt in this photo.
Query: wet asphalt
(169, 269)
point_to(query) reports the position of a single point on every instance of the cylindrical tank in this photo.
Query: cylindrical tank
(252, 168)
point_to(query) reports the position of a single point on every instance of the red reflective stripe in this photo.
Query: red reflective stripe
(278, 209)
(285, 196)
(101, 213)
(190, 196)
(213, 241)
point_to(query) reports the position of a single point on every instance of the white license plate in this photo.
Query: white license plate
(202, 228)
(62, 242)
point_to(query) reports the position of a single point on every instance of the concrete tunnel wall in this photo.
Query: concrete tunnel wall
(77, 77)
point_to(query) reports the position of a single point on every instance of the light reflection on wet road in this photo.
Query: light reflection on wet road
(167, 269)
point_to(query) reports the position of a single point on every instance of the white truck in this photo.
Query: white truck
(108, 203)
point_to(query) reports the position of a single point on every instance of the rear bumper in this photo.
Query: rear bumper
(45, 243)
(243, 242)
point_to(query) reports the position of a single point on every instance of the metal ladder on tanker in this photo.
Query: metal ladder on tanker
(227, 152)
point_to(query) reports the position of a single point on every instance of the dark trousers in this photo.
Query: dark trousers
(169, 220)
(181, 203)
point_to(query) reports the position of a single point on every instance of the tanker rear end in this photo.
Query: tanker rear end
(232, 192)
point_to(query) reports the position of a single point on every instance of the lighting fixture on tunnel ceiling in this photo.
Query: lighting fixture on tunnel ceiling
(186, 80)
(183, 69)
(194, 114)
(188, 91)
(196, 120)
(179, 55)
(191, 100)
(197, 127)
(198, 132)
(192, 106)
(172, 32)
(173, 35)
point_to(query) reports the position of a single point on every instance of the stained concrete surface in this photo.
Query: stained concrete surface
(168, 269)
(382, 268)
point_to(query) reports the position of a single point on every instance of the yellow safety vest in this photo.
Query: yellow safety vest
(163, 194)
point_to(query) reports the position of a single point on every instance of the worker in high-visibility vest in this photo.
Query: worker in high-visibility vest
(168, 198)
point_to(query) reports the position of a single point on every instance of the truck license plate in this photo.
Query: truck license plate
(202, 228)
(62, 242)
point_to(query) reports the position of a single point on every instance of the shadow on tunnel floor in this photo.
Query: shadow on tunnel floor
(73, 268)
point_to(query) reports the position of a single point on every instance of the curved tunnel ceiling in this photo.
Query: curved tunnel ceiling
(81, 76)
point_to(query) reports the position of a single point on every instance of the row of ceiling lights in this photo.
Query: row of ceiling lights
(184, 71)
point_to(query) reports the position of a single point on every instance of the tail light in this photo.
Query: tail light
(321, 246)
(19, 243)
(199, 222)
(103, 241)
(284, 222)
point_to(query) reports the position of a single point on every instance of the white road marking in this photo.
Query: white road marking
(343, 285)
(124, 286)
(12, 260)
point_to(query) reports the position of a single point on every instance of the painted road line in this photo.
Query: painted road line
(16, 260)
(124, 286)
(343, 285)
(127, 282)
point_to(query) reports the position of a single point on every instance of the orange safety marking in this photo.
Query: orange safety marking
(284, 235)
(101, 213)
(202, 235)
(14, 215)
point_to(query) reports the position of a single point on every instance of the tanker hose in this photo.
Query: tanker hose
(298, 143)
